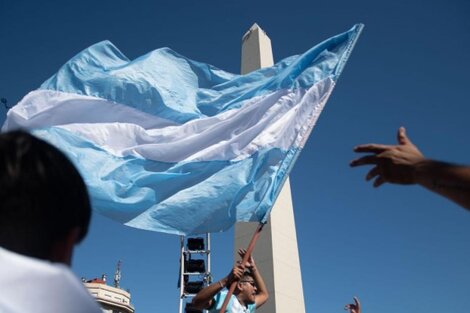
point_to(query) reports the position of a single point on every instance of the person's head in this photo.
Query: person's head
(44, 204)
(246, 289)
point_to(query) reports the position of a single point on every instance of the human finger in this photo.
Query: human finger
(241, 252)
(380, 180)
(372, 173)
(368, 159)
(358, 303)
(240, 265)
(371, 147)
(402, 138)
(237, 272)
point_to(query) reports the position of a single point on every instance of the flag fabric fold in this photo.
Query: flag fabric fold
(168, 144)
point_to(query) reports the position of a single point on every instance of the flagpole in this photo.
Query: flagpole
(247, 255)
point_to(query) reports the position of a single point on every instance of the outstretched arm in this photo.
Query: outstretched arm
(203, 299)
(449, 180)
(262, 294)
(405, 164)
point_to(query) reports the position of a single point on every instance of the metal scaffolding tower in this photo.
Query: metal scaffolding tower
(195, 269)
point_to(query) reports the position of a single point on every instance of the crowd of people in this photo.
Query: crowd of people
(45, 211)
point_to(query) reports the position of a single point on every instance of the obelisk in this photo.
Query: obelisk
(276, 253)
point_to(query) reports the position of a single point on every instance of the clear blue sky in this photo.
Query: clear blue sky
(400, 249)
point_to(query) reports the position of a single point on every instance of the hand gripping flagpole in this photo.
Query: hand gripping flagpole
(247, 255)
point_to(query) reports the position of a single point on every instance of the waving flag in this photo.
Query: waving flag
(169, 144)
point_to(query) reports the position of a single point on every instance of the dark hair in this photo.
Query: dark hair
(42, 196)
(247, 274)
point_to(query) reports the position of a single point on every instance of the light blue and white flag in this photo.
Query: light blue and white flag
(172, 145)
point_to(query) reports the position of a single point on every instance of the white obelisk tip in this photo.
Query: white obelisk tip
(256, 50)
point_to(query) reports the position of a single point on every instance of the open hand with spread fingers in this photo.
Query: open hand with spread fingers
(392, 163)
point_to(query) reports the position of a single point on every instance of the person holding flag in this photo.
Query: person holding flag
(250, 292)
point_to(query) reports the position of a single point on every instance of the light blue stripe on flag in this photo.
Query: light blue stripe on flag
(177, 146)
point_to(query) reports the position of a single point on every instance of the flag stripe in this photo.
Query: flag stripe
(168, 85)
(41, 108)
(136, 191)
(272, 120)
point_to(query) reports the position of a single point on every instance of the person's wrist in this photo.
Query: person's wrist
(224, 282)
(420, 171)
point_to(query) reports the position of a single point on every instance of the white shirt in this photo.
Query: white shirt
(32, 285)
